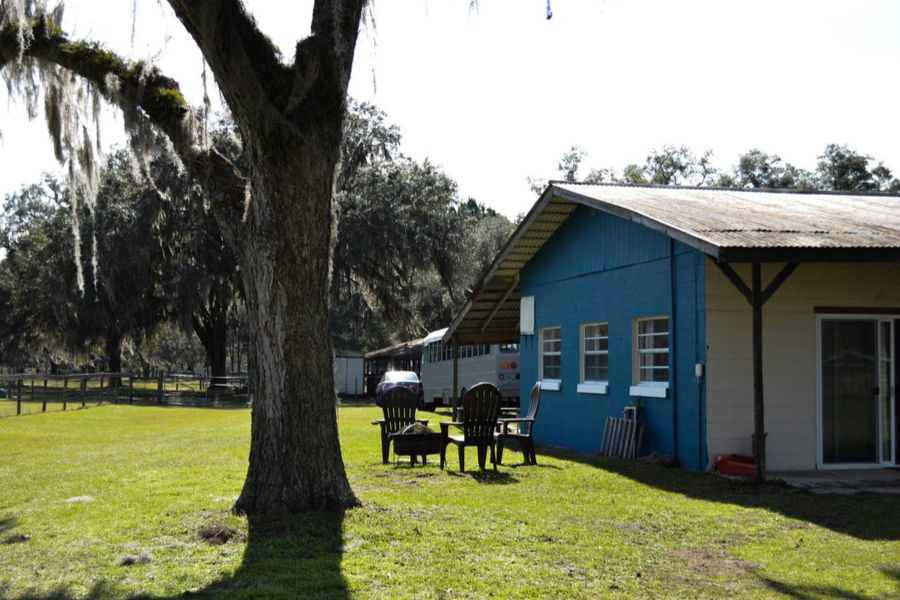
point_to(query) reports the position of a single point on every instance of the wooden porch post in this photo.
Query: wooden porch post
(759, 420)
(455, 345)
(757, 297)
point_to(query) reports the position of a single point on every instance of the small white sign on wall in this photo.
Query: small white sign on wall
(526, 316)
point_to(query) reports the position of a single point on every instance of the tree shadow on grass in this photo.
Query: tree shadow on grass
(817, 592)
(863, 516)
(488, 477)
(295, 557)
(529, 466)
(8, 524)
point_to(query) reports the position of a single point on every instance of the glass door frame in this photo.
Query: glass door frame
(889, 461)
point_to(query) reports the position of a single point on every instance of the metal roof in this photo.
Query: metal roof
(728, 225)
(747, 225)
(435, 336)
(410, 349)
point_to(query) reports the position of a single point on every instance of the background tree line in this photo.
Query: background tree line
(158, 287)
(838, 168)
(161, 288)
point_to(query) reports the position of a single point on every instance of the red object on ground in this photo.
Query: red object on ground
(737, 465)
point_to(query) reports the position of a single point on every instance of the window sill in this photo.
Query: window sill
(551, 385)
(649, 391)
(593, 388)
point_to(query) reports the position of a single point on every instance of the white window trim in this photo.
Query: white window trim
(593, 388)
(551, 385)
(656, 389)
(643, 388)
(582, 352)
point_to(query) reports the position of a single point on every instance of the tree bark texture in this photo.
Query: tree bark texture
(295, 460)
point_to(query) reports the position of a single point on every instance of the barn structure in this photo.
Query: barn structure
(348, 372)
(405, 356)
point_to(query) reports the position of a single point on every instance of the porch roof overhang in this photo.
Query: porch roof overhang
(730, 226)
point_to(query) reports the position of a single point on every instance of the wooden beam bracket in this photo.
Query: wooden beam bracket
(744, 289)
(736, 281)
(499, 304)
(782, 276)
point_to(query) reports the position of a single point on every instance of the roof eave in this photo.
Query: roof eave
(777, 254)
(542, 202)
(705, 246)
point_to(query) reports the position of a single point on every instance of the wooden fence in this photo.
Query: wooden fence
(28, 394)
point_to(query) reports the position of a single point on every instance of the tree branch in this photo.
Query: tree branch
(246, 64)
(338, 22)
(134, 86)
(249, 68)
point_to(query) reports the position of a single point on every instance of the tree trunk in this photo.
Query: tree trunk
(113, 347)
(212, 329)
(295, 454)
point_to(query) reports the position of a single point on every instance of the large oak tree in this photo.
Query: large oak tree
(279, 221)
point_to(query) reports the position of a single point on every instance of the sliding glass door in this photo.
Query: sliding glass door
(857, 405)
(885, 392)
(849, 391)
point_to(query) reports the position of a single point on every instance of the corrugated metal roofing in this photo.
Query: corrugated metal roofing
(757, 219)
(728, 225)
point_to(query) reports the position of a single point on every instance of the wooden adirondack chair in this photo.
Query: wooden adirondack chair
(481, 409)
(525, 432)
(399, 408)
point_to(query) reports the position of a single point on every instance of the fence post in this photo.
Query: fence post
(131, 388)
(162, 385)
(19, 401)
(44, 405)
(32, 389)
(115, 386)
(102, 380)
(83, 389)
(65, 391)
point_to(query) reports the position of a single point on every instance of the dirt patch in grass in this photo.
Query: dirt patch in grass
(712, 568)
(131, 559)
(216, 535)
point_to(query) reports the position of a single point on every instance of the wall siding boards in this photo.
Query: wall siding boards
(599, 267)
(789, 354)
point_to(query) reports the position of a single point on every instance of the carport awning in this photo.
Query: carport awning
(491, 316)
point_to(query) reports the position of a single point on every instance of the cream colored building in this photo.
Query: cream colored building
(864, 296)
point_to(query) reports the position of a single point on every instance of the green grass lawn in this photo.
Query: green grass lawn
(81, 490)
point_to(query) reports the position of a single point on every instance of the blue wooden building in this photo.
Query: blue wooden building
(622, 295)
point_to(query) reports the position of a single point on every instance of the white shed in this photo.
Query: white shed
(348, 372)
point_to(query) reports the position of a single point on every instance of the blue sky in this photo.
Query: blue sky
(499, 94)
